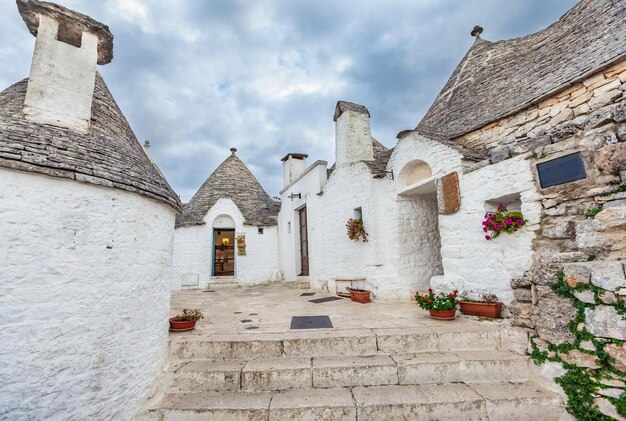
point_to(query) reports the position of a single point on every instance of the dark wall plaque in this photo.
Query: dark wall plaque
(561, 170)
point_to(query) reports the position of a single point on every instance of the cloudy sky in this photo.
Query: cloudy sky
(197, 77)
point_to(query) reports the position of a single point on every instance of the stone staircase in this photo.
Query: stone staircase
(474, 373)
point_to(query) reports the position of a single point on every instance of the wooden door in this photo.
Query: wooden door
(304, 243)
(224, 252)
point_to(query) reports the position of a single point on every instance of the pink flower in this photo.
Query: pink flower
(509, 221)
(485, 229)
(487, 237)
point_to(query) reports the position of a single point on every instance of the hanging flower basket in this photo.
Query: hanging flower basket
(356, 230)
(502, 220)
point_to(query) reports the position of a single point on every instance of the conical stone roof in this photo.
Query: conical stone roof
(497, 79)
(107, 155)
(231, 180)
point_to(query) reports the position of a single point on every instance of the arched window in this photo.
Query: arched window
(414, 172)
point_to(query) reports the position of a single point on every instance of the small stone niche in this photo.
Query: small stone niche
(513, 203)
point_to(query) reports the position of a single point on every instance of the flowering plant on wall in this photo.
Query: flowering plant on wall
(356, 230)
(439, 302)
(501, 221)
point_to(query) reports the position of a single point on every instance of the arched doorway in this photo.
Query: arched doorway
(418, 225)
(223, 246)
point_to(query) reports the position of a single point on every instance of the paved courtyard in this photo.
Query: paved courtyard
(270, 308)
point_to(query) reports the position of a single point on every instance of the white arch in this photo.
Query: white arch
(224, 222)
(414, 172)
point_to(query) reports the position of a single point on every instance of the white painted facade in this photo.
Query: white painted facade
(84, 298)
(193, 247)
(62, 78)
(410, 247)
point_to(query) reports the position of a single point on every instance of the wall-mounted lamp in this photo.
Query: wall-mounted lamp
(295, 195)
(384, 174)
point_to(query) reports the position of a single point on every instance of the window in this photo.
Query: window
(260, 230)
(561, 170)
(288, 227)
(358, 214)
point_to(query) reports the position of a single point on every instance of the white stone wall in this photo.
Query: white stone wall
(84, 298)
(471, 263)
(193, 248)
(62, 78)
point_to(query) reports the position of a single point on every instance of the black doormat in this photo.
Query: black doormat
(325, 299)
(307, 294)
(311, 322)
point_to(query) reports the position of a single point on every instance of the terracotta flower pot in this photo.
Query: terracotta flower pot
(443, 315)
(181, 326)
(491, 310)
(362, 297)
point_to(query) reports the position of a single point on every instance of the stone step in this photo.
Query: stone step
(226, 283)
(348, 342)
(299, 284)
(348, 371)
(495, 401)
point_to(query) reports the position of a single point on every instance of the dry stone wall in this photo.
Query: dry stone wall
(573, 296)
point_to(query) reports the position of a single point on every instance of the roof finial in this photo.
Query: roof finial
(233, 150)
(477, 31)
(146, 144)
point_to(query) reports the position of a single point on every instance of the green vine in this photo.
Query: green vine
(580, 383)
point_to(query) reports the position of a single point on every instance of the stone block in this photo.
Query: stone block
(522, 295)
(474, 366)
(376, 370)
(565, 115)
(599, 118)
(580, 100)
(604, 99)
(529, 145)
(199, 376)
(619, 112)
(585, 296)
(607, 297)
(605, 322)
(581, 109)
(588, 345)
(499, 154)
(621, 132)
(615, 204)
(607, 408)
(551, 316)
(608, 275)
(276, 374)
(618, 353)
(576, 274)
(312, 404)
(580, 359)
(329, 343)
(564, 229)
(402, 341)
(606, 88)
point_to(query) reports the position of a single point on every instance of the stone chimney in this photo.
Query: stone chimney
(294, 164)
(353, 138)
(63, 70)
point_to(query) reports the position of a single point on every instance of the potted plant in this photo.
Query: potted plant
(441, 306)
(502, 221)
(356, 230)
(489, 306)
(362, 296)
(186, 320)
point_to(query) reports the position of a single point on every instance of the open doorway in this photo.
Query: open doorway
(223, 252)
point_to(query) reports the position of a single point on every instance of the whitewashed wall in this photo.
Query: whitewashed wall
(470, 262)
(193, 248)
(84, 298)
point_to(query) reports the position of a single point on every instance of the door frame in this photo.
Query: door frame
(214, 236)
(301, 211)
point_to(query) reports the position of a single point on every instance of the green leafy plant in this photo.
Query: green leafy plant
(188, 315)
(502, 221)
(437, 302)
(580, 384)
(356, 230)
(592, 212)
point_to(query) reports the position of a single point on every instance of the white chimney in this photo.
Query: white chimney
(63, 70)
(353, 138)
(294, 164)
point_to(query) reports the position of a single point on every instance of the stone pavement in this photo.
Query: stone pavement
(379, 361)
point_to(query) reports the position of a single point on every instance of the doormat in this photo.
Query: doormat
(307, 294)
(325, 299)
(311, 322)
(209, 290)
